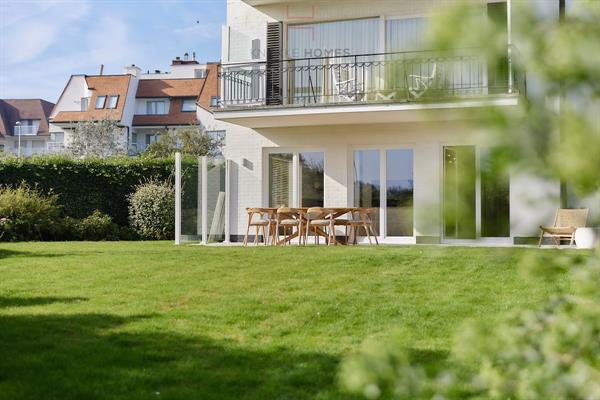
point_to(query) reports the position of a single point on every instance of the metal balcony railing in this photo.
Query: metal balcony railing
(369, 78)
(25, 130)
(55, 147)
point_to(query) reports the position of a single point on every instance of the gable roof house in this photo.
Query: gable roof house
(143, 104)
(27, 120)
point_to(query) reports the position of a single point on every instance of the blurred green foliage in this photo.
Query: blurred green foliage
(552, 352)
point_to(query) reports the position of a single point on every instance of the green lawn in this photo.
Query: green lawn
(147, 320)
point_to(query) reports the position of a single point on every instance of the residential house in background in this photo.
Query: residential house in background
(26, 119)
(144, 104)
(346, 106)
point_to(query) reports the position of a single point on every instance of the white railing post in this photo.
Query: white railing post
(227, 209)
(204, 200)
(509, 36)
(177, 198)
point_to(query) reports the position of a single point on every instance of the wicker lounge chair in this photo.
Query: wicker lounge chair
(565, 224)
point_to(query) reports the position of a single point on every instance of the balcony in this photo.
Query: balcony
(25, 130)
(409, 79)
(55, 147)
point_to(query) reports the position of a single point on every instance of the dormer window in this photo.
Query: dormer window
(85, 103)
(155, 107)
(112, 101)
(188, 105)
(100, 101)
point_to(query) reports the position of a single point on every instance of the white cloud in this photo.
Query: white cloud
(27, 32)
(201, 31)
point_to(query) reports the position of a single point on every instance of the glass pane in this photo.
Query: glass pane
(366, 180)
(311, 168)
(459, 192)
(406, 34)
(280, 180)
(399, 184)
(216, 200)
(191, 198)
(495, 197)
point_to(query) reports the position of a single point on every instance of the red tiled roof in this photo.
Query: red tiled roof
(174, 117)
(169, 87)
(100, 85)
(13, 110)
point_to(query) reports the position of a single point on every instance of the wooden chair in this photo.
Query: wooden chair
(363, 218)
(288, 218)
(566, 222)
(259, 223)
(318, 217)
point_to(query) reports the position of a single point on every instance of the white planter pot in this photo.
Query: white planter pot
(586, 238)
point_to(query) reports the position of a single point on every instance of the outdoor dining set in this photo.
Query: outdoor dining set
(279, 226)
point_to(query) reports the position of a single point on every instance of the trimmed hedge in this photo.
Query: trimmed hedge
(86, 185)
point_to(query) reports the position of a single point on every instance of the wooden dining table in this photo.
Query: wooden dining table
(336, 212)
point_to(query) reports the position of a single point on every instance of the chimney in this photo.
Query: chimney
(194, 56)
(101, 69)
(186, 57)
(132, 70)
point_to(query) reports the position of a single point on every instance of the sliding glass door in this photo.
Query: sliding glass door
(459, 192)
(296, 179)
(383, 179)
(476, 195)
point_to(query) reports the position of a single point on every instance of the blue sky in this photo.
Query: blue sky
(43, 42)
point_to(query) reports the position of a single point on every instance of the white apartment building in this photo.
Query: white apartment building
(144, 104)
(340, 104)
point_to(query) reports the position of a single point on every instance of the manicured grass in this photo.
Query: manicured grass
(154, 321)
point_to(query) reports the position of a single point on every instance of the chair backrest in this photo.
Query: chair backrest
(253, 211)
(571, 217)
(317, 213)
(287, 213)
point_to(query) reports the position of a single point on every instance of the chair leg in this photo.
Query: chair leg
(541, 238)
(265, 236)
(374, 234)
(256, 236)
(368, 233)
(572, 240)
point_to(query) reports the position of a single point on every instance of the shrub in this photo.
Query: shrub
(152, 210)
(83, 186)
(26, 214)
(98, 226)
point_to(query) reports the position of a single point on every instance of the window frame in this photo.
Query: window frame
(110, 97)
(85, 100)
(103, 97)
(190, 99)
(149, 107)
(296, 172)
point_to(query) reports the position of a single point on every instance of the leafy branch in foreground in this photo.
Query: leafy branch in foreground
(552, 352)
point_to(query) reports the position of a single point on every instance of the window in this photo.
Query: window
(188, 105)
(134, 138)
(383, 179)
(57, 137)
(155, 107)
(112, 101)
(27, 127)
(151, 139)
(85, 103)
(200, 73)
(214, 101)
(100, 101)
(280, 180)
(304, 191)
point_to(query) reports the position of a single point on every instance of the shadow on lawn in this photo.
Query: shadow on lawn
(86, 357)
(5, 253)
(36, 301)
